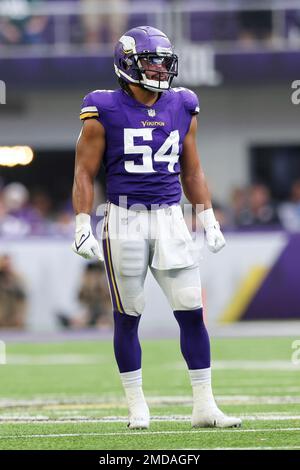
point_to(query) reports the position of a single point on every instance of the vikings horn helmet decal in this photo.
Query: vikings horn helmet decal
(144, 56)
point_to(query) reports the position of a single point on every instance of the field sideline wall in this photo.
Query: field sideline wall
(255, 277)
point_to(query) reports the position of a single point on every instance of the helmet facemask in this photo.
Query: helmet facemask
(156, 71)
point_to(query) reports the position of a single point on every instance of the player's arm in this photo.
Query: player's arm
(192, 175)
(196, 190)
(89, 153)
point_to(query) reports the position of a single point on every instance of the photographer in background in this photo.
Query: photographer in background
(12, 296)
(95, 300)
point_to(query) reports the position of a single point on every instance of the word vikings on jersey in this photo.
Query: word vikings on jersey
(142, 156)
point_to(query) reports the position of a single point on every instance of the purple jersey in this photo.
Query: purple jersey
(143, 144)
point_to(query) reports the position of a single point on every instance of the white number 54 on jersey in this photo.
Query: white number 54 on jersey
(146, 151)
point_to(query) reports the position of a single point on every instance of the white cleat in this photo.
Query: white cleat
(138, 423)
(139, 417)
(213, 418)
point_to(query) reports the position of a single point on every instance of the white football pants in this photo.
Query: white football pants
(135, 240)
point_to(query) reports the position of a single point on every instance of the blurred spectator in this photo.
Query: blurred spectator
(293, 27)
(255, 26)
(15, 197)
(289, 212)
(261, 207)
(19, 216)
(239, 211)
(253, 207)
(13, 221)
(26, 213)
(106, 27)
(19, 27)
(12, 296)
(34, 213)
(95, 299)
(64, 224)
(41, 203)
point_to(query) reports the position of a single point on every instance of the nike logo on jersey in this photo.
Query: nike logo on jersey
(84, 237)
(152, 123)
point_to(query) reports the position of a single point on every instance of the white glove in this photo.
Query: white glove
(85, 243)
(214, 237)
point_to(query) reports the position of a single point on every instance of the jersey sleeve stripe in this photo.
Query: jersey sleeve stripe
(89, 109)
(88, 115)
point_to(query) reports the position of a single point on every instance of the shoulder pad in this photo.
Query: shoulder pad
(189, 98)
(95, 102)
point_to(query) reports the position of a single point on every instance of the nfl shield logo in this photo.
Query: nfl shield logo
(151, 112)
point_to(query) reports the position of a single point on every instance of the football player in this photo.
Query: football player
(144, 133)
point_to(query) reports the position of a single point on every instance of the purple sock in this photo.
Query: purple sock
(194, 339)
(127, 347)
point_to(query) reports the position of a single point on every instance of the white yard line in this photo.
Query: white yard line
(249, 389)
(40, 419)
(81, 402)
(233, 364)
(65, 359)
(254, 365)
(257, 400)
(54, 359)
(145, 433)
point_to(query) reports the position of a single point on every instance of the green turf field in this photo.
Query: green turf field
(68, 396)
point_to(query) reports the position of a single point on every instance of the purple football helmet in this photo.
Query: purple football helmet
(144, 56)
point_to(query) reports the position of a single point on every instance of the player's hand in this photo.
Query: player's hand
(214, 237)
(85, 244)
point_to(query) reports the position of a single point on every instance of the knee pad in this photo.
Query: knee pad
(187, 298)
(139, 303)
(132, 258)
(134, 306)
